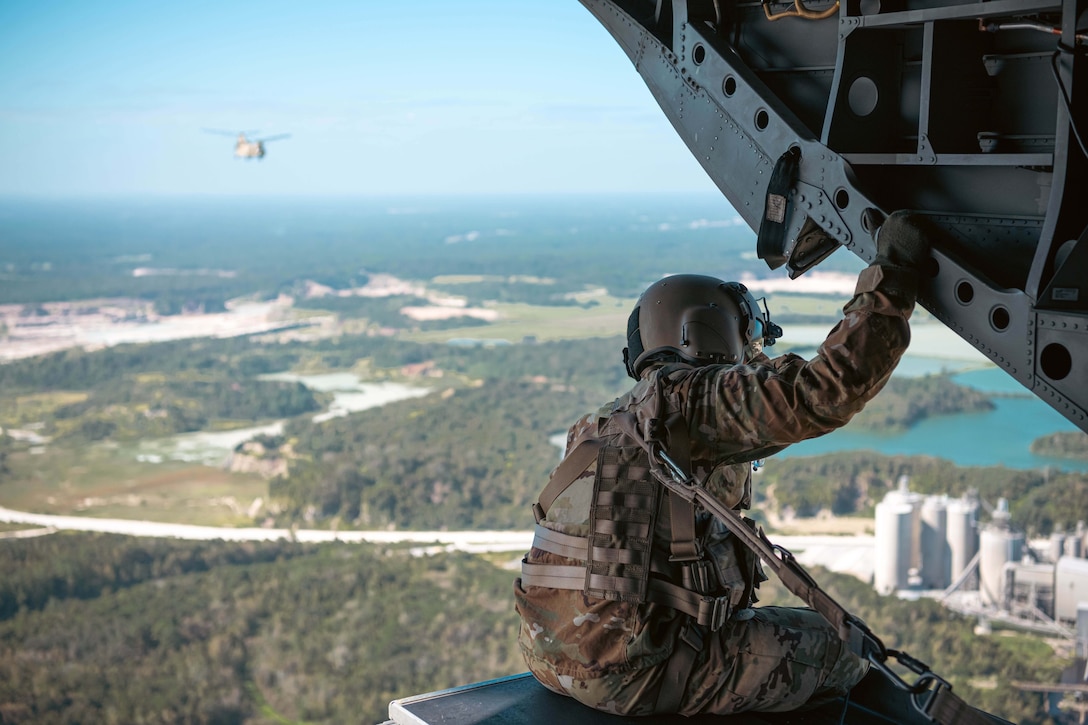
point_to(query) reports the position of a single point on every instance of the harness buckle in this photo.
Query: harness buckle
(714, 612)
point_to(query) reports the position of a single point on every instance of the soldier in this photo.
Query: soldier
(634, 601)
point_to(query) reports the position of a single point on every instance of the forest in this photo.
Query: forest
(99, 628)
(1064, 444)
(853, 483)
(121, 630)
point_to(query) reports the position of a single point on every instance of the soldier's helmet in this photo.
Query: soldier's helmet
(697, 319)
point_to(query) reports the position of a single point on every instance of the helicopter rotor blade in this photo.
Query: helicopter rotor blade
(273, 138)
(224, 132)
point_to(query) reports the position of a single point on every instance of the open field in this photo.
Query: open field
(601, 315)
(103, 481)
(518, 321)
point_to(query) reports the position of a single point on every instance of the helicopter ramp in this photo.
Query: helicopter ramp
(520, 699)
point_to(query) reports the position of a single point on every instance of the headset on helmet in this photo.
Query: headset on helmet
(699, 319)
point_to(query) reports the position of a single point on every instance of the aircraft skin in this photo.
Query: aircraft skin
(974, 114)
(245, 149)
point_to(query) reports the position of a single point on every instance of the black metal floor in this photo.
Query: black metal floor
(521, 699)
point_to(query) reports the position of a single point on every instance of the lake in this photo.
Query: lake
(1001, 436)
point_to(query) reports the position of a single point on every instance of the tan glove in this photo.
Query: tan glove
(903, 240)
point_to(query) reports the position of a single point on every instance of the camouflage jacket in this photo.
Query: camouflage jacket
(734, 414)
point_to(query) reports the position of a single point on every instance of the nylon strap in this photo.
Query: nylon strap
(944, 706)
(683, 547)
(566, 473)
(710, 612)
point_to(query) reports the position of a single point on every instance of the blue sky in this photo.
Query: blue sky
(427, 97)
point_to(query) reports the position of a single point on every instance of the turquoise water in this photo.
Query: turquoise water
(1001, 436)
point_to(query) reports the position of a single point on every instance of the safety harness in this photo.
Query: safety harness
(619, 559)
(618, 551)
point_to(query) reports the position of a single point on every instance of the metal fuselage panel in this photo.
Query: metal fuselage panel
(966, 112)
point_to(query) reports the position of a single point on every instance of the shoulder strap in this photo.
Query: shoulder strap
(566, 473)
(684, 546)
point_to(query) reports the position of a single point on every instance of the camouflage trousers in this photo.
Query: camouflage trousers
(766, 659)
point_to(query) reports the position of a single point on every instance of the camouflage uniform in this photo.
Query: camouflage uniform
(613, 654)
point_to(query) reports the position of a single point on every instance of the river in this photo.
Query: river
(350, 394)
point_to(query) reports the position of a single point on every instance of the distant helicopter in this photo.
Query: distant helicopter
(245, 148)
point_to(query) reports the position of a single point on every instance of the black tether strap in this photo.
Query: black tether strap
(942, 706)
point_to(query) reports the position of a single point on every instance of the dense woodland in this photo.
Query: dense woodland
(854, 482)
(1065, 444)
(97, 628)
(123, 630)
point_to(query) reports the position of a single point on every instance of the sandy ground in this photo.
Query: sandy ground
(126, 321)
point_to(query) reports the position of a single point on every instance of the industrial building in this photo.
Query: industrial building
(937, 544)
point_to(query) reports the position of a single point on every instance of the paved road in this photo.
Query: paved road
(474, 541)
(847, 554)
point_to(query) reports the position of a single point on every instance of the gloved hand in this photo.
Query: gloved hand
(903, 240)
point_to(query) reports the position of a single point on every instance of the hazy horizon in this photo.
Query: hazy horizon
(426, 97)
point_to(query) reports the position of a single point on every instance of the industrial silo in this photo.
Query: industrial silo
(998, 545)
(936, 565)
(894, 542)
(962, 532)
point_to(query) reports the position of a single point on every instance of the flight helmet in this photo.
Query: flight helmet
(697, 319)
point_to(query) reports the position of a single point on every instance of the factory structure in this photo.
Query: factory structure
(938, 546)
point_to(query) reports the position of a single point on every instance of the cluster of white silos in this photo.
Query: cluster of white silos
(922, 541)
(999, 545)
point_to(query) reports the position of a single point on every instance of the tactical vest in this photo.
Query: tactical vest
(644, 543)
